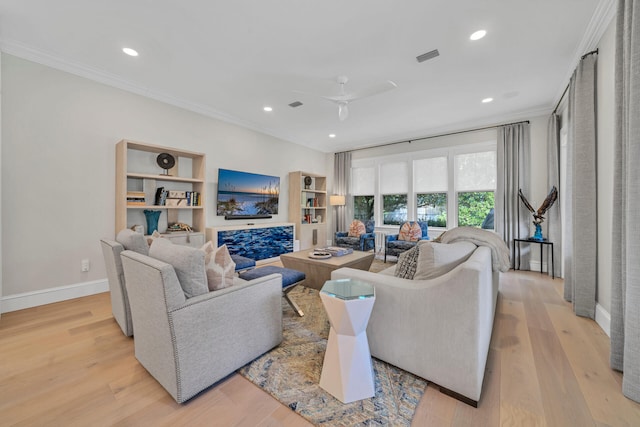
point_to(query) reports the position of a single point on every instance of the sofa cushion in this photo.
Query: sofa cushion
(219, 266)
(436, 259)
(133, 241)
(357, 228)
(410, 231)
(186, 261)
(407, 263)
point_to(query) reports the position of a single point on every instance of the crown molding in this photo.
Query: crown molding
(466, 126)
(603, 14)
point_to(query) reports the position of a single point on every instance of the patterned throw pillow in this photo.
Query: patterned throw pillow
(356, 229)
(407, 263)
(410, 232)
(219, 266)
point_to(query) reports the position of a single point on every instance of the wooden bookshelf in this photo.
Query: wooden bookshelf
(137, 171)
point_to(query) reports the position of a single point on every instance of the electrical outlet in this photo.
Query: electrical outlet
(85, 265)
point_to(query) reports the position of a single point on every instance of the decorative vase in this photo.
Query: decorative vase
(538, 233)
(152, 220)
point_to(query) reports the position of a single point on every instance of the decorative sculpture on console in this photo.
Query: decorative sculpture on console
(538, 217)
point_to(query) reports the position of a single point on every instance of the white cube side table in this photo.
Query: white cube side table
(347, 372)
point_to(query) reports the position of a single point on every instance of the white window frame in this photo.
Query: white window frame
(452, 194)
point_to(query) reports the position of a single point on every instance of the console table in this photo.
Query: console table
(262, 242)
(541, 243)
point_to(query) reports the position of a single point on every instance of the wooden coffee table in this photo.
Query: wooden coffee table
(319, 271)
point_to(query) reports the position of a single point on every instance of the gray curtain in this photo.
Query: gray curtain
(341, 178)
(581, 246)
(625, 290)
(511, 220)
(554, 215)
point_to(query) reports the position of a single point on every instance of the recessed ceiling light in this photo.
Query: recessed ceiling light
(332, 135)
(487, 100)
(267, 109)
(129, 51)
(478, 35)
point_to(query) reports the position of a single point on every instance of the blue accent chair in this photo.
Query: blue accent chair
(394, 247)
(365, 242)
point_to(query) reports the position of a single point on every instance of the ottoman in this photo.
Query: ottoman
(243, 263)
(290, 279)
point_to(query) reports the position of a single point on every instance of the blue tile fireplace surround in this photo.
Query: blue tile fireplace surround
(256, 241)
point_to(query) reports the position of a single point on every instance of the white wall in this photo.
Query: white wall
(58, 167)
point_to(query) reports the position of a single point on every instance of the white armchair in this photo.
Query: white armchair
(189, 344)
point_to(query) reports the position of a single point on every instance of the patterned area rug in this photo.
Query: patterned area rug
(291, 374)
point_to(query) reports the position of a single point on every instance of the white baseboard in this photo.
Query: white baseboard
(48, 296)
(603, 319)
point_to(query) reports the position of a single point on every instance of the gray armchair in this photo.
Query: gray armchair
(364, 242)
(189, 344)
(119, 299)
(395, 247)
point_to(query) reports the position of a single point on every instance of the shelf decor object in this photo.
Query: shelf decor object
(166, 161)
(152, 220)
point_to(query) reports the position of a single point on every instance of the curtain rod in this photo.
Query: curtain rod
(567, 88)
(432, 136)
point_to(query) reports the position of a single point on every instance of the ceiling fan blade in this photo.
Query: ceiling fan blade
(373, 90)
(343, 111)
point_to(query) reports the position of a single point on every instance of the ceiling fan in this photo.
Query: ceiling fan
(343, 99)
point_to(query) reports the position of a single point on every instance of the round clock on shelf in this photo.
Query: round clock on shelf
(307, 182)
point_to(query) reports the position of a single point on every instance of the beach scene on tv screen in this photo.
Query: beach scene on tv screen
(244, 193)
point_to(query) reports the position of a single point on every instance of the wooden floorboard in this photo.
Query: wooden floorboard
(68, 364)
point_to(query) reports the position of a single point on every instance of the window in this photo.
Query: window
(432, 209)
(394, 208)
(431, 185)
(363, 207)
(475, 183)
(363, 188)
(394, 188)
(445, 186)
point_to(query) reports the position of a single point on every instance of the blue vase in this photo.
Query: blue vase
(538, 233)
(152, 220)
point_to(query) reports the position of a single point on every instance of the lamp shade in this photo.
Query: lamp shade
(336, 200)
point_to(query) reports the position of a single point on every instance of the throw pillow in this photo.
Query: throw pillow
(407, 263)
(133, 241)
(154, 236)
(436, 259)
(219, 266)
(186, 261)
(356, 229)
(410, 231)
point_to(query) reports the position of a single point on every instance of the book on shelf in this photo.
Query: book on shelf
(337, 250)
(176, 198)
(136, 198)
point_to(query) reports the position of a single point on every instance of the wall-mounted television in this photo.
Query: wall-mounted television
(247, 195)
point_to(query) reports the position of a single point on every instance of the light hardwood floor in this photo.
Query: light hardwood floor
(68, 364)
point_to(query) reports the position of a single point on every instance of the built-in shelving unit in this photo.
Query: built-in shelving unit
(139, 176)
(308, 208)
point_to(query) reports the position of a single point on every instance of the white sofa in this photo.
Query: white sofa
(438, 329)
